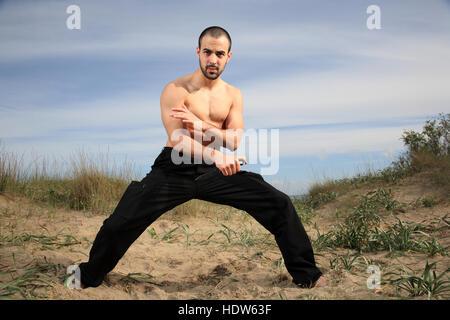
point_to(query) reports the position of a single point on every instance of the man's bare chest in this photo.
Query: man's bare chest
(209, 107)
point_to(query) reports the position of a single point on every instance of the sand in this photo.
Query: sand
(206, 265)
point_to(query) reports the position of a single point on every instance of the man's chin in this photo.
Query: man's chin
(211, 77)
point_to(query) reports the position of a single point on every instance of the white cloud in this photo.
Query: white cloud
(31, 29)
(323, 142)
(123, 111)
(371, 89)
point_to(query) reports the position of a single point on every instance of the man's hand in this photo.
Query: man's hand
(228, 164)
(191, 121)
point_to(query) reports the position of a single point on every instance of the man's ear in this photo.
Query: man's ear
(229, 55)
(198, 52)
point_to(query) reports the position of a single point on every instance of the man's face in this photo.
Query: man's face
(213, 56)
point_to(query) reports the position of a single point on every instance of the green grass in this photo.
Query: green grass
(304, 209)
(49, 242)
(356, 231)
(170, 235)
(187, 232)
(349, 262)
(31, 281)
(361, 229)
(244, 237)
(428, 202)
(139, 278)
(407, 237)
(429, 283)
(322, 240)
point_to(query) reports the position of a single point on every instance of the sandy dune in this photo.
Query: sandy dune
(222, 253)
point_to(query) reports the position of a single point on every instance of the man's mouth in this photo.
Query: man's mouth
(212, 69)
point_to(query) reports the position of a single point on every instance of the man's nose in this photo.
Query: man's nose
(212, 61)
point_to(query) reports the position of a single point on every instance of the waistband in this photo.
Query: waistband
(164, 159)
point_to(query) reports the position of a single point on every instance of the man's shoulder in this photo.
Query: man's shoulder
(179, 86)
(232, 90)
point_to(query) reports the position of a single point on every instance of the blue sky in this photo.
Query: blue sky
(340, 94)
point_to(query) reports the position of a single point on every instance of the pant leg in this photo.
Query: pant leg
(141, 204)
(273, 209)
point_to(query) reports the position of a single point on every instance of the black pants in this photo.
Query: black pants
(169, 185)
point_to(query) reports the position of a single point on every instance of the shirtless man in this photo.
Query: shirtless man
(198, 103)
(204, 99)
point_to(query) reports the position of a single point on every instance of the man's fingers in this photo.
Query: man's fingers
(183, 114)
(232, 164)
(180, 116)
(238, 166)
(180, 109)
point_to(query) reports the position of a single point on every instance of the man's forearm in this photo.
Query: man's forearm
(197, 150)
(230, 137)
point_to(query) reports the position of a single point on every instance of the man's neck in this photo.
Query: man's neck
(201, 81)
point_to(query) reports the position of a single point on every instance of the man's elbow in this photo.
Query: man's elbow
(232, 138)
(231, 145)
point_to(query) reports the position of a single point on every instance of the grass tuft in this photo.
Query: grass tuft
(32, 281)
(428, 284)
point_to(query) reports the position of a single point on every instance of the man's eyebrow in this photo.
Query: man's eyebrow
(220, 51)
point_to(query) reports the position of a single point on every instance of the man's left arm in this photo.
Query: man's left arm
(232, 129)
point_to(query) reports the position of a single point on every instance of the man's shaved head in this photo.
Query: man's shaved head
(215, 32)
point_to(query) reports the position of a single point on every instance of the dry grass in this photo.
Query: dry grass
(435, 168)
(84, 182)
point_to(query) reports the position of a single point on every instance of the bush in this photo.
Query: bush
(427, 150)
(435, 138)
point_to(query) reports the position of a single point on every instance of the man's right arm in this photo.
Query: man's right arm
(174, 96)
